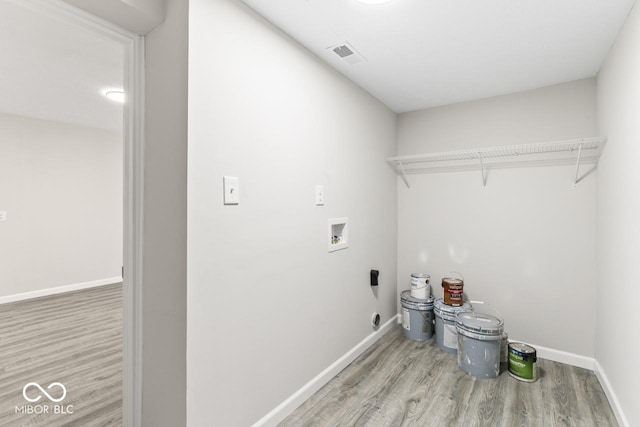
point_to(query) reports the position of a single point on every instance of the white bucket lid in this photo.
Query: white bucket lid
(420, 276)
(479, 324)
(408, 301)
(439, 307)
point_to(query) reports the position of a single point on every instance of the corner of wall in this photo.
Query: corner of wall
(611, 394)
(165, 221)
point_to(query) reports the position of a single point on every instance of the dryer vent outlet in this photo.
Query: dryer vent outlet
(375, 320)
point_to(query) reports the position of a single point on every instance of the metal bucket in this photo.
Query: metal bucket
(452, 289)
(417, 317)
(446, 334)
(479, 344)
(504, 352)
(522, 362)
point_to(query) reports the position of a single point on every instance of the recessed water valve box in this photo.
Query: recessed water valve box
(338, 234)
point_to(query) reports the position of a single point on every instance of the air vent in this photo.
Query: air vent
(343, 51)
(347, 53)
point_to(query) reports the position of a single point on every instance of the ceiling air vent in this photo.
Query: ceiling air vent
(347, 53)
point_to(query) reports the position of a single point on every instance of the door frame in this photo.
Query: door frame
(133, 189)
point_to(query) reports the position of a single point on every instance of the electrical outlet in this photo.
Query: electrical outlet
(319, 195)
(3, 215)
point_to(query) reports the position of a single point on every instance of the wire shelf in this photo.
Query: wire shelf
(585, 150)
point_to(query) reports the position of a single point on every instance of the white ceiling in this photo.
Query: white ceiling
(418, 53)
(425, 53)
(54, 71)
(137, 16)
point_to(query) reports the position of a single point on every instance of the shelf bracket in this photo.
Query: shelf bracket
(575, 183)
(404, 175)
(484, 176)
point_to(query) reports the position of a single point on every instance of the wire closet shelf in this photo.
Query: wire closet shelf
(585, 150)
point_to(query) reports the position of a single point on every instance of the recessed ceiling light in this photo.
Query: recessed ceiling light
(115, 95)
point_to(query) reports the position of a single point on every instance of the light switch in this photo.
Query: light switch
(231, 186)
(319, 195)
(3, 215)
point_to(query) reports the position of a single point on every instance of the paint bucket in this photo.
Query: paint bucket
(479, 344)
(452, 289)
(417, 317)
(420, 287)
(504, 352)
(522, 362)
(446, 334)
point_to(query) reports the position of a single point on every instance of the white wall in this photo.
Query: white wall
(525, 244)
(269, 307)
(61, 186)
(619, 219)
(165, 222)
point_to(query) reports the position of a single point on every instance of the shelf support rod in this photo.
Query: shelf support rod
(404, 175)
(575, 184)
(484, 177)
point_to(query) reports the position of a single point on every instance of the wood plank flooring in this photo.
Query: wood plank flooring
(74, 339)
(399, 382)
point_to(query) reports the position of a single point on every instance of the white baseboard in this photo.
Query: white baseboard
(288, 406)
(59, 290)
(563, 357)
(611, 395)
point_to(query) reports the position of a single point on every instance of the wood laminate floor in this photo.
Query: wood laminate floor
(399, 382)
(74, 339)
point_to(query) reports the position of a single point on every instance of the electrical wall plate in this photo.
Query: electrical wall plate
(319, 195)
(338, 233)
(231, 188)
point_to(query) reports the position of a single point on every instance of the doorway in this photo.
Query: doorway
(71, 192)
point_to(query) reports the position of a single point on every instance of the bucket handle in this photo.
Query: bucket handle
(487, 307)
(452, 273)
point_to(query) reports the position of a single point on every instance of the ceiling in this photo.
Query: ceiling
(424, 53)
(416, 53)
(137, 16)
(55, 71)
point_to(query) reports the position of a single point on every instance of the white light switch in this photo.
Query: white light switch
(3, 215)
(231, 186)
(319, 195)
